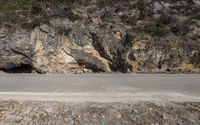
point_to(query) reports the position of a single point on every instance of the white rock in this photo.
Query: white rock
(3, 32)
(12, 118)
(157, 7)
(45, 28)
(197, 2)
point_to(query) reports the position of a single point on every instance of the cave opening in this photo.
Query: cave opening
(24, 68)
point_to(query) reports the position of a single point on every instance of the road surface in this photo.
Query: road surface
(100, 87)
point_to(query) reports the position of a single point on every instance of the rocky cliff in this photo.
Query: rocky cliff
(147, 36)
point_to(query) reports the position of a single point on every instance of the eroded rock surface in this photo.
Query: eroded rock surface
(125, 36)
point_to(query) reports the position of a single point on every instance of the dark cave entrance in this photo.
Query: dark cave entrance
(24, 68)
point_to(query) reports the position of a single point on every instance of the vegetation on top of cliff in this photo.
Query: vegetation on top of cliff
(142, 6)
(29, 4)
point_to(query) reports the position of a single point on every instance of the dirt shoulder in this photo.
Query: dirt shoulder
(57, 113)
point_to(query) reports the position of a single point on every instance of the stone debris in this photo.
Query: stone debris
(60, 113)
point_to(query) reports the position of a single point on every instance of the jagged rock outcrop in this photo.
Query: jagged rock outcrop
(125, 36)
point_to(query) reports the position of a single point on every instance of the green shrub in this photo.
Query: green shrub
(165, 19)
(29, 4)
(129, 20)
(30, 25)
(197, 17)
(170, 1)
(156, 30)
(36, 9)
(103, 3)
(73, 17)
(137, 29)
(91, 9)
(143, 8)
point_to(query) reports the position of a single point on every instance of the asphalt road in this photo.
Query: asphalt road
(100, 87)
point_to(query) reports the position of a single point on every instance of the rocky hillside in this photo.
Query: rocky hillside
(145, 36)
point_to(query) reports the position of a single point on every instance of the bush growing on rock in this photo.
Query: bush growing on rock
(156, 29)
(102, 3)
(142, 6)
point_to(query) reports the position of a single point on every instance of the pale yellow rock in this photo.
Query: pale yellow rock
(118, 36)
(138, 45)
(97, 55)
(187, 66)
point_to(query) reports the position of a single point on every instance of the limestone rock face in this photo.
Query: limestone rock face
(48, 52)
(118, 37)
